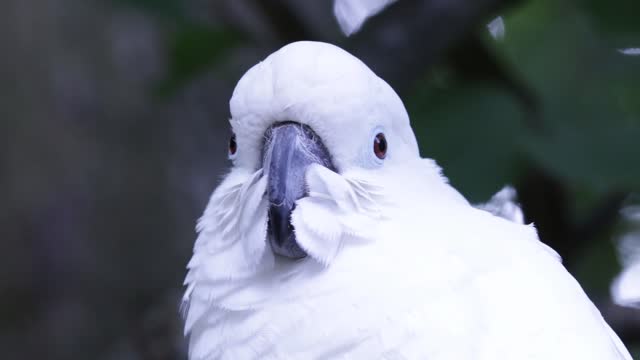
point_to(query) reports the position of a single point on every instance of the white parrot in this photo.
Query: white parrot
(331, 238)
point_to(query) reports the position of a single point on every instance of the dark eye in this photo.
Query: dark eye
(233, 146)
(380, 146)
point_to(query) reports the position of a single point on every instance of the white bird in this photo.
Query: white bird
(331, 238)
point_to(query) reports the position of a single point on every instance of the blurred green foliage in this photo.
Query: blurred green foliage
(493, 130)
(614, 17)
(590, 109)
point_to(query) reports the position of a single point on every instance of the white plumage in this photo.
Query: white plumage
(399, 265)
(504, 205)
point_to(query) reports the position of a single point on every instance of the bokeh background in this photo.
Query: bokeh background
(113, 126)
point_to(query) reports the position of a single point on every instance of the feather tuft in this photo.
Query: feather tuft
(351, 14)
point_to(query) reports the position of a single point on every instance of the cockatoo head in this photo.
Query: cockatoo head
(313, 104)
(316, 135)
(332, 94)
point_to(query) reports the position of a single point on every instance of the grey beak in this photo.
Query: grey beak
(288, 151)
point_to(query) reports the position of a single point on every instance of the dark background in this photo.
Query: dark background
(113, 126)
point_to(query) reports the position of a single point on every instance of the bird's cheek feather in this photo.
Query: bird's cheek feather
(336, 212)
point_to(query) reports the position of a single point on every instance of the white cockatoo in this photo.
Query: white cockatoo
(331, 238)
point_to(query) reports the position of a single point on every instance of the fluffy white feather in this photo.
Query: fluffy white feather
(400, 265)
(504, 204)
(496, 28)
(625, 289)
(351, 14)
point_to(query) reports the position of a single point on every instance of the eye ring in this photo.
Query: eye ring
(233, 146)
(380, 146)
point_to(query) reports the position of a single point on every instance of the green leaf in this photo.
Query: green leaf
(591, 154)
(589, 94)
(472, 132)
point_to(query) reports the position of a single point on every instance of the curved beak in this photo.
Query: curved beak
(289, 149)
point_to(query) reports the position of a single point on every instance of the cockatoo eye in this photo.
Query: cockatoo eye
(233, 146)
(380, 146)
